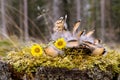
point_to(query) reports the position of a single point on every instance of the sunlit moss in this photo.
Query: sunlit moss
(5, 46)
(23, 61)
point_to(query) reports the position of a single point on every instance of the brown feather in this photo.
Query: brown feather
(97, 41)
(72, 43)
(96, 51)
(90, 33)
(51, 51)
(77, 24)
(80, 33)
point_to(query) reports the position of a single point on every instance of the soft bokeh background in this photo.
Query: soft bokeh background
(34, 19)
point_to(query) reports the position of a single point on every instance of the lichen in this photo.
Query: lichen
(23, 61)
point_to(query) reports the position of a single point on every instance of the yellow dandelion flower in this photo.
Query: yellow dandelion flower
(60, 43)
(36, 50)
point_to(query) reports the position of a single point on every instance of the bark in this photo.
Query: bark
(4, 28)
(21, 19)
(94, 16)
(102, 19)
(109, 20)
(57, 9)
(7, 72)
(26, 33)
(78, 7)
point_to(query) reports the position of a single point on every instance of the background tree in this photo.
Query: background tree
(26, 32)
(102, 19)
(101, 15)
(3, 17)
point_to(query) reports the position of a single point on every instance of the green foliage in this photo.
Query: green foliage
(23, 61)
(5, 47)
(5, 43)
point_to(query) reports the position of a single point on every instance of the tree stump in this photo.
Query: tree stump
(55, 73)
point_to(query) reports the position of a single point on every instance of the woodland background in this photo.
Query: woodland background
(34, 19)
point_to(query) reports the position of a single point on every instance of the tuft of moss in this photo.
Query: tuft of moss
(5, 46)
(23, 61)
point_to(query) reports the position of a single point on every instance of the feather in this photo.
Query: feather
(65, 23)
(77, 24)
(96, 50)
(80, 33)
(72, 43)
(97, 41)
(90, 33)
(51, 51)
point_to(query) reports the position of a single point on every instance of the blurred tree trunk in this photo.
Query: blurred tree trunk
(108, 11)
(21, 18)
(57, 9)
(93, 15)
(82, 14)
(102, 19)
(110, 28)
(26, 33)
(78, 7)
(3, 14)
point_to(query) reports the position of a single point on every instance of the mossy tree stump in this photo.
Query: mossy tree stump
(55, 73)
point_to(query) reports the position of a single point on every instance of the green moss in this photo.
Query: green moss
(5, 46)
(5, 43)
(23, 61)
